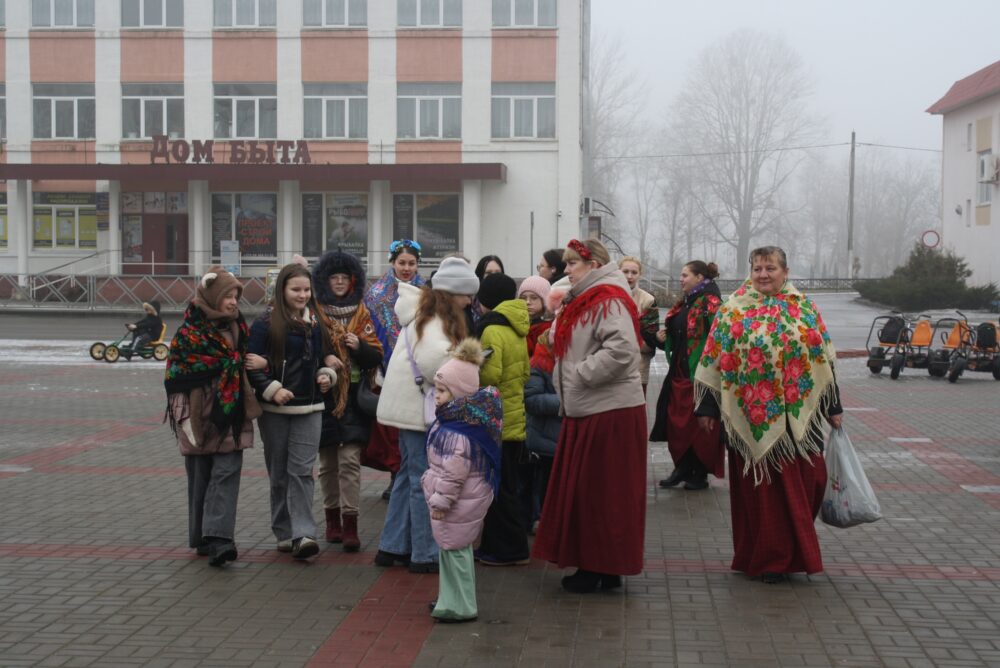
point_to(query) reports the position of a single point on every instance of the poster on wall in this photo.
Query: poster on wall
(222, 220)
(88, 228)
(402, 217)
(103, 211)
(3, 228)
(41, 225)
(347, 224)
(154, 202)
(66, 228)
(229, 256)
(257, 224)
(437, 224)
(177, 203)
(132, 239)
(312, 225)
(131, 202)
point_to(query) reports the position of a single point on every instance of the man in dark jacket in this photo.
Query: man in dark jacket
(145, 330)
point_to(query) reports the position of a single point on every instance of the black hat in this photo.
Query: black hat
(496, 288)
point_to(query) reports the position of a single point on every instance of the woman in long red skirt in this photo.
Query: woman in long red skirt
(595, 507)
(767, 373)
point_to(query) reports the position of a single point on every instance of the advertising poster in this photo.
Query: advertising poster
(131, 202)
(42, 228)
(257, 224)
(229, 256)
(154, 202)
(347, 224)
(437, 224)
(132, 239)
(312, 225)
(103, 211)
(66, 228)
(3, 228)
(222, 220)
(88, 228)
(177, 203)
(270, 278)
(402, 217)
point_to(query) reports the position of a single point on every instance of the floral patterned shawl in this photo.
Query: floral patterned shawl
(479, 418)
(380, 301)
(768, 361)
(702, 304)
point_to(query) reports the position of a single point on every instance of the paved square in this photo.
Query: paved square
(94, 570)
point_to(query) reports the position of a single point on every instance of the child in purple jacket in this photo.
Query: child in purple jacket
(463, 475)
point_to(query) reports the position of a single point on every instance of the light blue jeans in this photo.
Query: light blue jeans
(407, 527)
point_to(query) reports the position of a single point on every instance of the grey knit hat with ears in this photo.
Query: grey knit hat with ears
(454, 275)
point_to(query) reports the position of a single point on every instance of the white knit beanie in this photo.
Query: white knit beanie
(455, 276)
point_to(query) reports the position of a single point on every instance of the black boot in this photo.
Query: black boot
(677, 477)
(581, 582)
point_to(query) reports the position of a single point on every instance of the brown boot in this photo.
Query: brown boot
(334, 533)
(351, 541)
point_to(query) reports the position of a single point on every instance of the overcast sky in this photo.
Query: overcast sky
(876, 65)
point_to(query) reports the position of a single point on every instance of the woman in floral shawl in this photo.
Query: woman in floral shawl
(767, 372)
(211, 407)
(404, 255)
(695, 453)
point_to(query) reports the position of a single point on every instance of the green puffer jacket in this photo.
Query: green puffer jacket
(503, 330)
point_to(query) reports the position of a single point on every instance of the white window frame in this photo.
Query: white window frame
(143, 23)
(984, 171)
(163, 99)
(55, 227)
(52, 14)
(233, 13)
(418, 98)
(53, 100)
(347, 19)
(326, 98)
(430, 21)
(234, 99)
(509, 9)
(540, 92)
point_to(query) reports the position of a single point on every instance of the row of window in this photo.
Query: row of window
(331, 111)
(263, 13)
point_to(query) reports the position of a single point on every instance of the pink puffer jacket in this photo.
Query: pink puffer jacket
(463, 494)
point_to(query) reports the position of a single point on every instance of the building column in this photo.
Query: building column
(198, 254)
(114, 228)
(288, 196)
(19, 220)
(377, 194)
(472, 218)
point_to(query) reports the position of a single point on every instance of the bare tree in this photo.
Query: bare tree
(742, 107)
(614, 99)
(645, 207)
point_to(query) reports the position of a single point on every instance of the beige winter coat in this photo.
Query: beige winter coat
(600, 371)
(643, 301)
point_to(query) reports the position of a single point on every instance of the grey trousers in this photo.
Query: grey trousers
(213, 490)
(290, 446)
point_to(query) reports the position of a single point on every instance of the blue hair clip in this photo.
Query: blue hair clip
(400, 244)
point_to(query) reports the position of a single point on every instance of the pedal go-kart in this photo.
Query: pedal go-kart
(889, 343)
(971, 349)
(112, 352)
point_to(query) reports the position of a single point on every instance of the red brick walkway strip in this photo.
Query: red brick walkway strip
(76, 446)
(387, 627)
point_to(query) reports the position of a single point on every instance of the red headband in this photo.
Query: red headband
(580, 249)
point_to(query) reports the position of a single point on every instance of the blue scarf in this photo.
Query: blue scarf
(479, 419)
(381, 302)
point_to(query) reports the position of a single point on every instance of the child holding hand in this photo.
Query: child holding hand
(463, 475)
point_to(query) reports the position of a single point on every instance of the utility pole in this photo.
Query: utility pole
(850, 215)
(531, 245)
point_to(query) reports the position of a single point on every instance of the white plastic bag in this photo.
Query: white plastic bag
(849, 497)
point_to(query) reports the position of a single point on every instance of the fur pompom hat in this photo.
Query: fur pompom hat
(214, 285)
(460, 374)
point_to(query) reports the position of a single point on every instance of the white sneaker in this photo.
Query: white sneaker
(285, 545)
(305, 547)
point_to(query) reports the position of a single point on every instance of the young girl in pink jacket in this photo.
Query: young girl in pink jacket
(463, 475)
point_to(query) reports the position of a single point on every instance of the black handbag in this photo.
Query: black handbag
(368, 396)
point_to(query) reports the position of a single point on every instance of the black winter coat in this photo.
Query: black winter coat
(353, 426)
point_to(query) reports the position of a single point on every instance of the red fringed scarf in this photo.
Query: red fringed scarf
(588, 307)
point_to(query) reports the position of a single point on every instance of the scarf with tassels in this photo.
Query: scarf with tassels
(479, 419)
(768, 361)
(198, 354)
(359, 323)
(588, 307)
(380, 302)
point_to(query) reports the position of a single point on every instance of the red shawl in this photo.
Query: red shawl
(591, 306)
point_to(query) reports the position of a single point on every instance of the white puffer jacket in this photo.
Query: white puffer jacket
(401, 403)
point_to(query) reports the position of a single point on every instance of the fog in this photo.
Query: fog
(873, 67)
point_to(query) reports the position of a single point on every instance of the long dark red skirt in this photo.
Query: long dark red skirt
(683, 432)
(774, 527)
(594, 516)
(382, 452)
